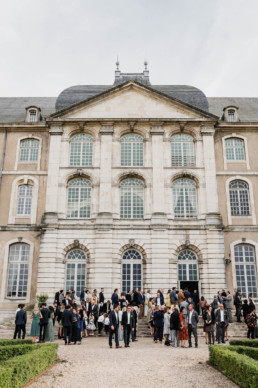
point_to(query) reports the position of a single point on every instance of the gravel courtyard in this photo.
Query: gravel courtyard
(144, 364)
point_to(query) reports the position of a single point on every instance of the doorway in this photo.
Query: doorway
(191, 285)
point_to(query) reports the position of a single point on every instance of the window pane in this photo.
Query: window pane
(235, 149)
(182, 151)
(184, 198)
(131, 270)
(246, 270)
(29, 150)
(239, 198)
(131, 199)
(24, 200)
(79, 198)
(81, 150)
(76, 270)
(131, 150)
(18, 271)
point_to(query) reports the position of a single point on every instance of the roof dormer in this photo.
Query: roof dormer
(33, 114)
(231, 114)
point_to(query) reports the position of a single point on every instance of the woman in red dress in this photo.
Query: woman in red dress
(182, 335)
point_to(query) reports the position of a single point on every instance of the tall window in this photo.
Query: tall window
(81, 150)
(18, 271)
(29, 151)
(33, 116)
(131, 270)
(79, 198)
(131, 198)
(132, 150)
(231, 115)
(184, 198)
(182, 150)
(24, 200)
(187, 266)
(246, 270)
(76, 271)
(239, 198)
(235, 149)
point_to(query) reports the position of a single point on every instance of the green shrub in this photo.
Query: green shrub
(10, 351)
(18, 371)
(247, 350)
(15, 342)
(244, 342)
(242, 369)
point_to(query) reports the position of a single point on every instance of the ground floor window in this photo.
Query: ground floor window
(131, 270)
(187, 266)
(18, 271)
(76, 270)
(246, 270)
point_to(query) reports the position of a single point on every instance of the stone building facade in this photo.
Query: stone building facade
(127, 185)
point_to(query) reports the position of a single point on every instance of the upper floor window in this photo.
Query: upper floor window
(81, 150)
(18, 271)
(239, 198)
(187, 266)
(235, 149)
(132, 150)
(79, 198)
(246, 270)
(131, 198)
(182, 150)
(184, 198)
(33, 116)
(231, 115)
(24, 200)
(29, 151)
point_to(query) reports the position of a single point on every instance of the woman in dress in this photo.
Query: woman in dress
(91, 327)
(209, 325)
(146, 303)
(59, 320)
(166, 330)
(182, 334)
(120, 331)
(49, 337)
(35, 328)
(151, 321)
(204, 317)
(150, 303)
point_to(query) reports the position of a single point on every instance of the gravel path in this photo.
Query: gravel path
(144, 364)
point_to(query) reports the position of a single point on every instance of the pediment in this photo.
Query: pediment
(132, 100)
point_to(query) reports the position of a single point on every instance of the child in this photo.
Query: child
(86, 321)
(91, 325)
(101, 323)
(106, 322)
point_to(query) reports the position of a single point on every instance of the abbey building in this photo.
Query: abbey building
(127, 185)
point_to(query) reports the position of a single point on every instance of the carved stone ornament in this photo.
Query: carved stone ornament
(207, 130)
(56, 129)
(76, 243)
(132, 242)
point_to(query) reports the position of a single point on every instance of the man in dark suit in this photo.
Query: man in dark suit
(221, 319)
(113, 326)
(174, 327)
(127, 325)
(106, 308)
(82, 294)
(67, 301)
(128, 297)
(95, 312)
(193, 320)
(187, 294)
(101, 296)
(158, 324)
(88, 306)
(114, 297)
(43, 321)
(20, 321)
(67, 320)
(173, 296)
(162, 300)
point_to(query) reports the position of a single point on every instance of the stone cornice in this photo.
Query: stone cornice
(207, 130)
(56, 129)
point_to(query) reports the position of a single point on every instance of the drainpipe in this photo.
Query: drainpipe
(3, 156)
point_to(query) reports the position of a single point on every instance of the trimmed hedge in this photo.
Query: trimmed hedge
(10, 351)
(245, 342)
(15, 342)
(242, 369)
(246, 350)
(18, 371)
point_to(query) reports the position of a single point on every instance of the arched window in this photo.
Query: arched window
(33, 116)
(24, 200)
(235, 149)
(184, 198)
(79, 198)
(76, 270)
(131, 198)
(131, 270)
(18, 271)
(81, 150)
(239, 198)
(132, 150)
(29, 150)
(231, 115)
(187, 266)
(182, 150)
(246, 270)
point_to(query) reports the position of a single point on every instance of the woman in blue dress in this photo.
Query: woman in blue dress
(49, 337)
(35, 328)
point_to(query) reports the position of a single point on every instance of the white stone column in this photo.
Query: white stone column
(158, 189)
(105, 179)
(56, 132)
(210, 174)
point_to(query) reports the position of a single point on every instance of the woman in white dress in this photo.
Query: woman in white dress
(166, 330)
(120, 331)
(147, 297)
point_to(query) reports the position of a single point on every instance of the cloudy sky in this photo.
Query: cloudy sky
(48, 45)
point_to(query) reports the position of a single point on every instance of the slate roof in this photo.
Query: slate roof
(248, 106)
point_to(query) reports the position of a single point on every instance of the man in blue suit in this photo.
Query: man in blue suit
(20, 321)
(114, 297)
(113, 326)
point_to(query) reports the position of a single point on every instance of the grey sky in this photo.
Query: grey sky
(48, 45)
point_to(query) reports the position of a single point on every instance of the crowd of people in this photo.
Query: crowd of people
(172, 317)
